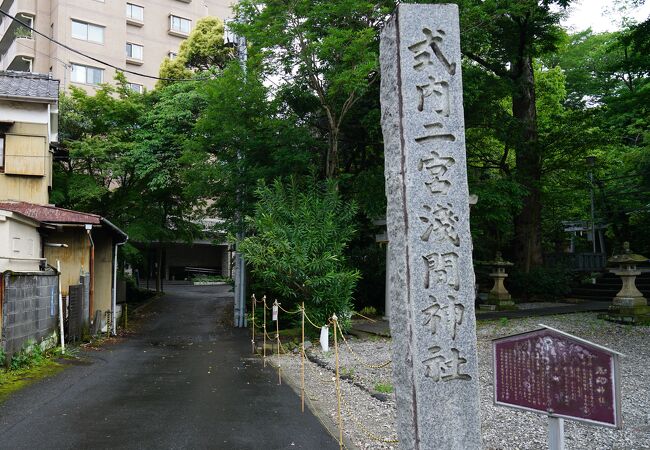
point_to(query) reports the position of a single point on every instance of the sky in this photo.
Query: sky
(602, 15)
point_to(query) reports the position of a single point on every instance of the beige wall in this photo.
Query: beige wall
(20, 239)
(153, 35)
(76, 259)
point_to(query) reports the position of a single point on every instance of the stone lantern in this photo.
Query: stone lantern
(629, 305)
(499, 298)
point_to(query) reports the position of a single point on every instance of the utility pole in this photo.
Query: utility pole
(239, 44)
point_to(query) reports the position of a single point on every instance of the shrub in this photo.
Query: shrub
(540, 283)
(296, 245)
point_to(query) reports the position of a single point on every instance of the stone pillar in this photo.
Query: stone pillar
(432, 320)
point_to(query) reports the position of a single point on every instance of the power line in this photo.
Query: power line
(92, 58)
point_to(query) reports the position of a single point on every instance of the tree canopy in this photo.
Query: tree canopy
(538, 102)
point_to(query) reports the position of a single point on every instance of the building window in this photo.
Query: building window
(87, 32)
(134, 51)
(136, 87)
(179, 24)
(86, 74)
(172, 55)
(135, 12)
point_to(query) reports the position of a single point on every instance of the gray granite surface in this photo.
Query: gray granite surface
(431, 278)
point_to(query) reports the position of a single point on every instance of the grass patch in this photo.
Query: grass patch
(31, 364)
(14, 380)
(384, 388)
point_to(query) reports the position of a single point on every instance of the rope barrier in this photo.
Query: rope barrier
(341, 405)
(367, 432)
(310, 321)
(289, 312)
(358, 358)
(354, 313)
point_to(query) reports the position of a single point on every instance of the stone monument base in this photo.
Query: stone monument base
(630, 301)
(628, 315)
(500, 303)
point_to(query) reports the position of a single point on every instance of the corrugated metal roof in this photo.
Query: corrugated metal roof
(51, 214)
(28, 85)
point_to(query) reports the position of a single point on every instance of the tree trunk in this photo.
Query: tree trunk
(528, 243)
(332, 163)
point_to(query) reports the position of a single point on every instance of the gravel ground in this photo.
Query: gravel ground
(369, 416)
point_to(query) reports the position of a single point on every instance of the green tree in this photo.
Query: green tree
(202, 51)
(325, 53)
(125, 158)
(503, 37)
(299, 234)
(241, 137)
(607, 78)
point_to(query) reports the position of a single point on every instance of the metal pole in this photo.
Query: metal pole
(240, 286)
(555, 433)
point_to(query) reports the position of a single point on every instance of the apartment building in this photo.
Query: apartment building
(135, 35)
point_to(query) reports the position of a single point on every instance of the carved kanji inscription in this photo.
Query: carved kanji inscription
(439, 91)
(437, 167)
(445, 367)
(442, 268)
(435, 133)
(429, 47)
(448, 314)
(441, 221)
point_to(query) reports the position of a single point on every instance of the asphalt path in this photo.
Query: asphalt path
(184, 380)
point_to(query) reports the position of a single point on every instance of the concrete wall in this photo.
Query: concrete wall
(20, 243)
(29, 308)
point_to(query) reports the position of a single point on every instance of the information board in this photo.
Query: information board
(557, 374)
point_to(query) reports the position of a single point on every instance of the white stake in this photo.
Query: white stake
(58, 268)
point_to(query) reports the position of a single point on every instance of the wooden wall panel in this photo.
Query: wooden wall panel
(25, 155)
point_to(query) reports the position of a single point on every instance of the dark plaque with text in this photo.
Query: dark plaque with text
(557, 374)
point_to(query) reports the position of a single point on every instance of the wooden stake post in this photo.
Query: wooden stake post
(264, 331)
(253, 321)
(338, 383)
(302, 362)
(276, 314)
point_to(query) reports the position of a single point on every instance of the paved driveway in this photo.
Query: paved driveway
(185, 380)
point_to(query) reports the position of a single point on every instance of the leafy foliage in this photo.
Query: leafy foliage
(301, 232)
(541, 283)
(241, 137)
(202, 51)
(326, 52)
